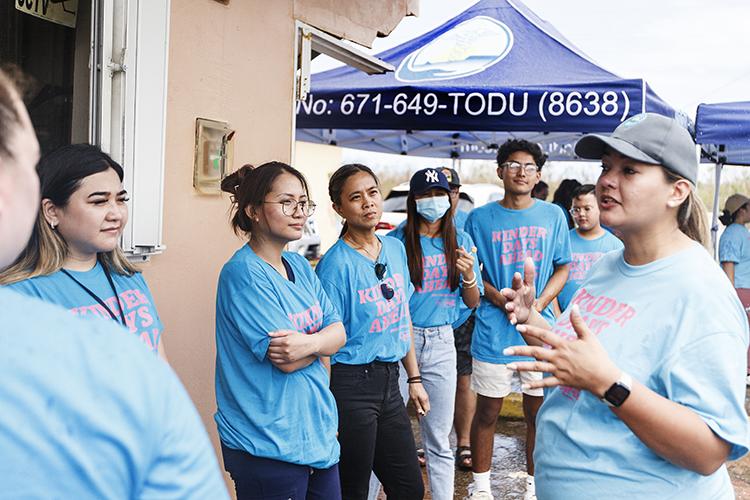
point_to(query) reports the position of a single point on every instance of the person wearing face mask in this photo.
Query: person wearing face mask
(443, 271)
(87, 411)
(506, 233)
(589, 241)
(645, 392)
(74, 257)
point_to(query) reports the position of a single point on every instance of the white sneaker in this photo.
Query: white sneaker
(530, 493)
(475, 494)
(747, 380)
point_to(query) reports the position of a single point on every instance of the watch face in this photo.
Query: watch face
(617, 394)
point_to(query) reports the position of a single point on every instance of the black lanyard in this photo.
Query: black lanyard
(96, 297)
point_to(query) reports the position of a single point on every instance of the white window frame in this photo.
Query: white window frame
(129, 56)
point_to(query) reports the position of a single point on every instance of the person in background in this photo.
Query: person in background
(540, 191)
(454, 181)
(74, 257)
(274, 325)
(563, 198)
(444, 272)
(365, 276)
(588, 242)
(466, 400)
(506, 233)
(87, 411)
(646, 393)
(734, 250)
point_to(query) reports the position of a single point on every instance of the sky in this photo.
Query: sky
(689, 51)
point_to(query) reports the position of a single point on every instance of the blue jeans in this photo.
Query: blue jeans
(436, 357)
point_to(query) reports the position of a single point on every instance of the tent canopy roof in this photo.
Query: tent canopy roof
(494, 71)
(723, 131)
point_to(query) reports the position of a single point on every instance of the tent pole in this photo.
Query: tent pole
(715, 213)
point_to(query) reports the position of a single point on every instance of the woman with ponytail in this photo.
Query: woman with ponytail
(443, 270)
(646, 366)
(73, 258)
(274, 326)
(366, 276)
(734, 250)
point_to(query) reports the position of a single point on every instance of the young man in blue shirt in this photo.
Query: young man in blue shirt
(589, 241)
(506, 233)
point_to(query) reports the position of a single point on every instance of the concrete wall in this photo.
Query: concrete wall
(234, 63)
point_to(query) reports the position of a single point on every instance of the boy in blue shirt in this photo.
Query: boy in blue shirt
(589, 241)
(506, 233)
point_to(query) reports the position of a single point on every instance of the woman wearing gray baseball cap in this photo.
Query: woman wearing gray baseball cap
(646, 367)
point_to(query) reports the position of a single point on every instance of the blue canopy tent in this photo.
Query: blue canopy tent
(494, 71)
(723, 132)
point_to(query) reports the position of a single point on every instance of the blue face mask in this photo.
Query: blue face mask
(434, 207)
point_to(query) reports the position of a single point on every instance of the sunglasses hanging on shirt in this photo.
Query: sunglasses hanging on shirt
(385, 289)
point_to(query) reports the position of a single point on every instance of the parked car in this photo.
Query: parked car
(309, 245)
(471, 196)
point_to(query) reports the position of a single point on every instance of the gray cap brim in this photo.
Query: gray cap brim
(593, 147)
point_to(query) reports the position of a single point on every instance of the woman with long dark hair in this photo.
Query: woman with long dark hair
(274, 324)
(647, 365)
(443, 270)
(74, 258)
(366, 277)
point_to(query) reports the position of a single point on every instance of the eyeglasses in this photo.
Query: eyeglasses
(514, 167)
(289, 207)
(580, 210)
(385, 289)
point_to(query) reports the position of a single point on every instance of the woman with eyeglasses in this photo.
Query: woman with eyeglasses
(645, 387)
(367, 278)
(275, 413)
(443, 271)
(734, 250)
(74, 257)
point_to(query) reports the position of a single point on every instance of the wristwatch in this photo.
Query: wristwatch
(619, 391)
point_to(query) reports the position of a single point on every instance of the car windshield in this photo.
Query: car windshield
(396, 202)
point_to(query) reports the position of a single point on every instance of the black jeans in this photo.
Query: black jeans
(374, 432)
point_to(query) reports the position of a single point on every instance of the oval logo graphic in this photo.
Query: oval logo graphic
(466, 49)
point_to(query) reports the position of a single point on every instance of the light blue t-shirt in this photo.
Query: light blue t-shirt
(262, 410)
(377, 329)
(133, 296)
(459, 219)
(677, 327)
(435, 304)
(504, 238)
(87, 412)
(584, 253)
(734, 246)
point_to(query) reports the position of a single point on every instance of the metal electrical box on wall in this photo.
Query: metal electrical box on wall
(214, 153)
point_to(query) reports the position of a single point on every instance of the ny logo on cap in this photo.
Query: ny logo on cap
(432, 176)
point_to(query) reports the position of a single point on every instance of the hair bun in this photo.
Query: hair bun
(231, 183)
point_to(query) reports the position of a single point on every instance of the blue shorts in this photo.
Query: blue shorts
(258, 478)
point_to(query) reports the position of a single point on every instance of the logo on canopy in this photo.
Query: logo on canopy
(467, 49)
